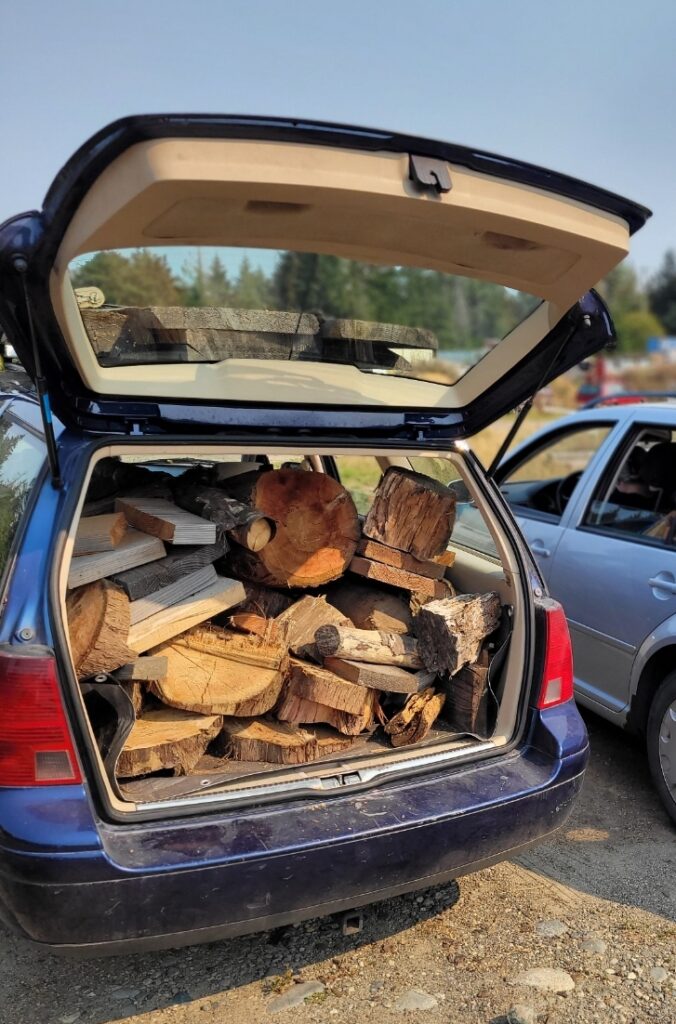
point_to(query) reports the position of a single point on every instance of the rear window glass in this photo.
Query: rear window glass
(175, 304)
(21, 457)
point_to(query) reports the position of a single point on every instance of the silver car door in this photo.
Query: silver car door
(616, 582)
(541, 479)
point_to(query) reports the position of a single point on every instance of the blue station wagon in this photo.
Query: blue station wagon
(326, 262)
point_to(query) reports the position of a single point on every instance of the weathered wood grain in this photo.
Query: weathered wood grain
(134, 549)
(378, 552)
(161, 626)
(370, 607)
(451, 631)
(170, 595)
(388, 678)
(422, 586)
(166, 739)
(165, 520)
(368, 645)
(99, 533)
(301, 621)
(139, 583)
(412, 512)
(98, 626)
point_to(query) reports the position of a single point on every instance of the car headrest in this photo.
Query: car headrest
(658, 468)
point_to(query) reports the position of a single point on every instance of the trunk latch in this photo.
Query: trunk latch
(429, 174)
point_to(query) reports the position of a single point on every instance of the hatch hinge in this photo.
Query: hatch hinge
(428, 174)
(20, 264)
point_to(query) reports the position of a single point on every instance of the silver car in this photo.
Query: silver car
(595, 496)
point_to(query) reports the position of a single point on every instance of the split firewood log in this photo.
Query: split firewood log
(414, 721)
(316, 534)
(411, 512)
(166, 739)
(378, 552)
(299, 710)
(247, 622)
(388, 678)
(451, 632)
(98, 626)
(301, 621)
(466, 707)
(420, 586)
(243, 524)
(369, 645)
(323, 687)
(371, 607)
(257, 739)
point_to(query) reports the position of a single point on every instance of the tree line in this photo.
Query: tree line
(463, 313)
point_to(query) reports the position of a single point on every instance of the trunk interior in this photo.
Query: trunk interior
(249, 704)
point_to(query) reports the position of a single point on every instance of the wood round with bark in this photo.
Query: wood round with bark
(317, 530)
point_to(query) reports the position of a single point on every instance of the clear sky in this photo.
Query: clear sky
(583, 87)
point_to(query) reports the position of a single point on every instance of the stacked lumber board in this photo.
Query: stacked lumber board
(251, 614)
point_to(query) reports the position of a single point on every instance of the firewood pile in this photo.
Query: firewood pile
(249, 613)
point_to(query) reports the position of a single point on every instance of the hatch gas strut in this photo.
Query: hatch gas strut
(20, 264)
(528, 404)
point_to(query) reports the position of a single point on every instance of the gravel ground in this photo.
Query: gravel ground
(590, 916)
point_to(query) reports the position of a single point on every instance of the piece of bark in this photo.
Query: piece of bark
(189, 612)
(247, 649)
(330, 741)
(466, 707)
(446, 558)
(264, 601)
(414, 721)
(138, 583)
(301, 621)
(451, 631)
(166, 739)
(400, 578)
(142, 669)
(369, 645)
(243, 524)
(170, 595)
(369, 607)
(324, 687)
(98, 626)
(378, 552)
(411, 512)
(256, 739)
(134, 549)
(202, 682)
(316, 534)
(99, 533)
(247, 622)
(388, 678)
(296, 709)
(164, 519)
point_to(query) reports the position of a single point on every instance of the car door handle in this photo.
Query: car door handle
(538, 548)
(663, 581)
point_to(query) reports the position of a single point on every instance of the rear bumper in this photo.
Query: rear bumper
(107, 888)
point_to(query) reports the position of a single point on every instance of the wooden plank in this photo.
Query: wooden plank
(163, 519)
(139, 583)
(299, 623)
(388, 678)
(134, 549)
(99, 533)
(467, 700)
(369, 607)
(197, 681)
(368, 645)
(397, 335)
(143, 669)
(412, 512)
(98, 624)
(451, 631)
(318, 684)
(172, 594)
(162, 626)
(400, 559)
(419, 585)
(166, 739)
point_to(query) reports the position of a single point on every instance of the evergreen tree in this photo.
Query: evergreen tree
(662, 293)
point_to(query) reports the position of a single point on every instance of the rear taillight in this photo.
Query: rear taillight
(557, 674)
(36, 747)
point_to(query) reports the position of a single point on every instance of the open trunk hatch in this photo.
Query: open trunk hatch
(355, 260)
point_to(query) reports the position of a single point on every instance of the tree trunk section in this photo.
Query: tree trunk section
(451, 632)
(369, 645)
(411, 512)
(316, 533)
(166, 739)
(255, 739)
(98, 625)
(243, 524)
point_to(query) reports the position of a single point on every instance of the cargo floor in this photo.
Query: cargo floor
(211, 771)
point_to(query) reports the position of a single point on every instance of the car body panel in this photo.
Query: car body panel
(617, 619)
